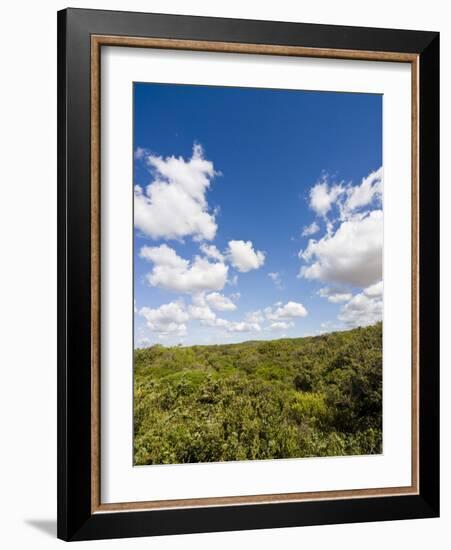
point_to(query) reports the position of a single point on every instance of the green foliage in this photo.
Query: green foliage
(309, 407)
(319, 396)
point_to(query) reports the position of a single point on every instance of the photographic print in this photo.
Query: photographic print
(258, 292)
(244, 218)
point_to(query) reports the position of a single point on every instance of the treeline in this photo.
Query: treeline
(304, 397)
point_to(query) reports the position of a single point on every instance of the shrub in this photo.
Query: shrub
(260, 400)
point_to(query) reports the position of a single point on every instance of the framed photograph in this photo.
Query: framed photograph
(248, 274)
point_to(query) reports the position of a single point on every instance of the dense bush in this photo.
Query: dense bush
(318, 396)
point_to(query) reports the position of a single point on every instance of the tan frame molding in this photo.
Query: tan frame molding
(97, 41)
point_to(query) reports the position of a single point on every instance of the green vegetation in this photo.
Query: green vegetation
(318, 396)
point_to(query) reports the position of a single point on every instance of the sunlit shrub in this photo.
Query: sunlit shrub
(259, 400)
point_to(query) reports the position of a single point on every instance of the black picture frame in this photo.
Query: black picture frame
(75, 518)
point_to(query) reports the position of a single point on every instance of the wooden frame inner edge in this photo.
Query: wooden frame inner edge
(107, 40)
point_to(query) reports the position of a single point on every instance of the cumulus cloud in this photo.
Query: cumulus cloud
(140, 153)
(276, 279)
(176, 274)
(242, 326)
(255, 316)
(334, 295)
(352, 255)
(374, 291)
(220, 302)
(201, 313)
(168, 319)
(361, 310)
(172, 319)
(363, 194)
(349, 198)
(163, 255)
(211, 251)
(364, 308)
(281, 325)
(286, 312)
(310, 229)
(174, 204)
(234, 326)
(251, 322)
(323, 196)
(350, 251)
(243, 257)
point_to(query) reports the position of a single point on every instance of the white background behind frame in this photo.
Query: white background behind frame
(120, 481)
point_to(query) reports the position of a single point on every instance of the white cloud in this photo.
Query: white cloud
(255, 316)
(375, 291)
(211, 251)
(163, 255)
(365, 308)
(348, 198)
(276, 279)
(220, 302)
(243, 256)
(170, 320)
(217, 322)
(234, 326)
(323, 196)
(310, 229)
(363, 194)
(281, 325)
(140, 153)
(361, 310)
(286, 312)
(242, 326)
(352, 255)
(174, 205)
(174, 273)
(167, 319)
(198, 299)
(201, 313)
(334, 295)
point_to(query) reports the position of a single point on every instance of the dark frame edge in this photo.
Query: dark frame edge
(62, 496)
(252, 517)
(429, 278)
(73, 284)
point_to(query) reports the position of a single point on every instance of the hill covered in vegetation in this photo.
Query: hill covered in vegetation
(288, 398)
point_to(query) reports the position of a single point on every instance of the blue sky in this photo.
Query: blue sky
(258, 213)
